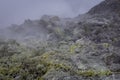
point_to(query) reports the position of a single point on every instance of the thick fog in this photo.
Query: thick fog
(16, 11)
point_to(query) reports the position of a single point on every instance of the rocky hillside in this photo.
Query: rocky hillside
(108, 6)
(86, 47)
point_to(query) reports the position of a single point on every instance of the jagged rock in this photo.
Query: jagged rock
(106, 7)
(113, 62)
(65, 47)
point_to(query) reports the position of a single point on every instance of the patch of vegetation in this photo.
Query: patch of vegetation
(92, 73)
(33, 64)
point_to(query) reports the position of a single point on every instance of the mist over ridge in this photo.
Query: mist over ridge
(16, 11)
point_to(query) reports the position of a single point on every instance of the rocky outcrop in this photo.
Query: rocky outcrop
(83, 48)
(106, 7)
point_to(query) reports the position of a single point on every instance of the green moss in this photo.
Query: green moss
(47, 55)
(87, 73)
(91, 73)
(107, 73)
(72, 48)
(14, 70)
(34, 67)
(3, 71)
(49, 63)
(106, 45)
(58, 31)
(39, 78)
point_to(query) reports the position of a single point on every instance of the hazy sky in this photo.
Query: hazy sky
(16, 11)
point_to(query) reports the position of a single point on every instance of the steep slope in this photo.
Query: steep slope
(83, 48)
(106, 7)
(101, 23)
(48, 28)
